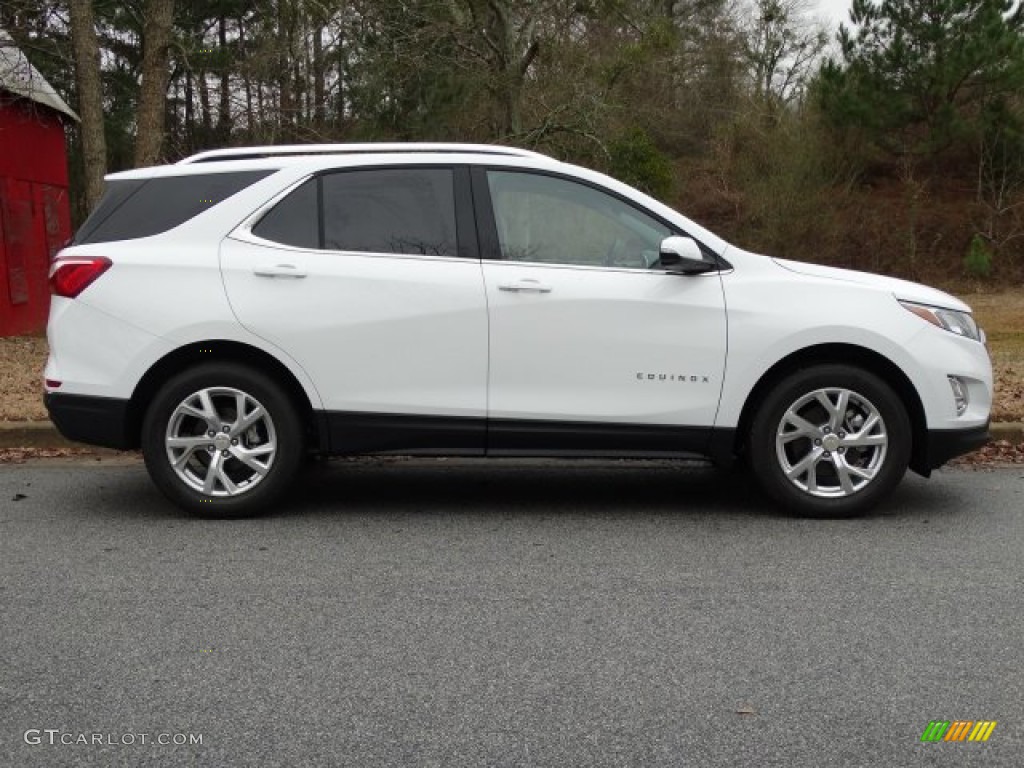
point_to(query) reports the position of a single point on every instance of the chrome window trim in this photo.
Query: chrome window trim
(243, 233)
(600, 268)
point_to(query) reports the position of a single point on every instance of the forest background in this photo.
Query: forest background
(895, 145)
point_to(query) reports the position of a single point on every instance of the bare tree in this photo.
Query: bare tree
(782, 48)
(1000, 192)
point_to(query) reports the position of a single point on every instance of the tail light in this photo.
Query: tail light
(70, 276)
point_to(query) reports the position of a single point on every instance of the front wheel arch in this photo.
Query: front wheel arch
(830, 441)
(841, 354)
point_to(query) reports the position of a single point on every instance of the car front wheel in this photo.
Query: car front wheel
(222, 440)
(830, 441)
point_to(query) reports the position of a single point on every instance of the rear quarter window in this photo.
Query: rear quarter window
(133, 208)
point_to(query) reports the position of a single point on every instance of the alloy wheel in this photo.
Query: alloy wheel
(831, 442)
(221, 441)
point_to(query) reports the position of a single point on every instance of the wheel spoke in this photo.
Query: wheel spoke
(247, 421)
(812, 478)
(226, 481)
(804, 428)
(839, 416)
(843, 471)
(209, 408)
(212, 474)
(804, 464)
(863, 474)
(248, 457)
(262, 449)
(863, 442)
(826, 403)
(190, 410)
(190, 441)
(182, 460)
(863, 436)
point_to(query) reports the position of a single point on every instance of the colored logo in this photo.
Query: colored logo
(958, 730)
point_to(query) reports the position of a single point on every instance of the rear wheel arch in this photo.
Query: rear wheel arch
(221, 350)
(842, 354)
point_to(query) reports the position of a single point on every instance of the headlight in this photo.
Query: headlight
(960, 323)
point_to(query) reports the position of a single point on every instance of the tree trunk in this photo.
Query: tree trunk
(224, 122)
(90, 99)
(319, 87)
(206, 117)
(284, 84)
(190, 113)
(250, 117)
(156, 37)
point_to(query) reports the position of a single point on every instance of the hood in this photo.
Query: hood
(902, 289)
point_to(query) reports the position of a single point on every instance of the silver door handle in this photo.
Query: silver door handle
(525, 286)
(279, 270)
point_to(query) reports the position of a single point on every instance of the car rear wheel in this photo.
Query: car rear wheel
(222, 440)
(830, 441)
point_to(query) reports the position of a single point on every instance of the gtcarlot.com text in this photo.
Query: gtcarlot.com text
(57, 737)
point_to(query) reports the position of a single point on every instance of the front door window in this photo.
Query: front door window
(549, 220)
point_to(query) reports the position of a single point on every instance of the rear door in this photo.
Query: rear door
(379, 298)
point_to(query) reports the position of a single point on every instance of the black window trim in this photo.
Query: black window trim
(466, 238)
(490, 247)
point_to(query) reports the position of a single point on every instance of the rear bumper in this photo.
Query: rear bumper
(99, 421)
(945, 444)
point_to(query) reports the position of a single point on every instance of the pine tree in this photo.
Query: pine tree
(917, 75)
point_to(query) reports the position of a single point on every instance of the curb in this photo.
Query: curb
(42, 434)
(1011, 431)
(32, 434)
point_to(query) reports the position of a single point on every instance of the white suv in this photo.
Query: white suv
(242, 308)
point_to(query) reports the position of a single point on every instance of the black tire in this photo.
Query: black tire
(278, 435)
(834, 465)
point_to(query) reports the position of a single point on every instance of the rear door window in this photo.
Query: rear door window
(392, 210)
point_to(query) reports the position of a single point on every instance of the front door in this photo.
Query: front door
(593, 347)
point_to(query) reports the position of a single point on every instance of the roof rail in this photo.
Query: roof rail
(285, 150)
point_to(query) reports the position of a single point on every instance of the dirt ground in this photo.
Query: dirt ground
(1000, 314)
(21, 378)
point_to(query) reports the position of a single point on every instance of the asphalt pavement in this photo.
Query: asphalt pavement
(527, 613)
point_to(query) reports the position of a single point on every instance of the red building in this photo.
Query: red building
(34, 212)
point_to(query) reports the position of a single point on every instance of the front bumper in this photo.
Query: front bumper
(102, 421)
(944, 444)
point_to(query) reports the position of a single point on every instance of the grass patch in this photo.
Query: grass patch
(1002, 317)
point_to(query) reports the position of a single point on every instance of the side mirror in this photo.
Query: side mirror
(682, 256)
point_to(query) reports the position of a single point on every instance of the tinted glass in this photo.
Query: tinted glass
(547, 219)
(409, 210)
(293, 221)
(164, 203)
(114, 193)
